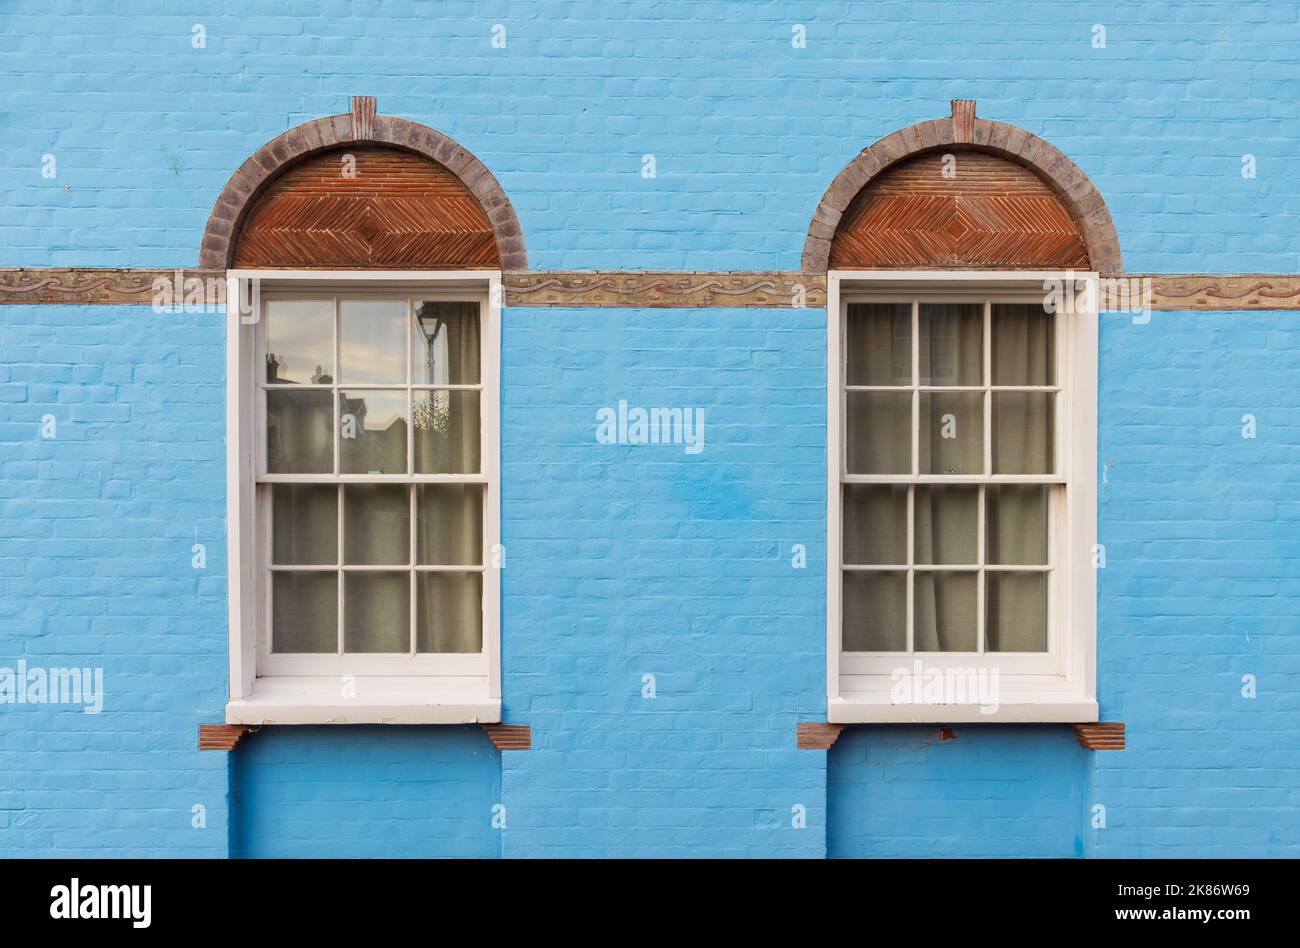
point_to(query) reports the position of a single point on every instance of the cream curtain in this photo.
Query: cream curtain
(449, 532)
(377, 517)
(447, 422)
(946, 523)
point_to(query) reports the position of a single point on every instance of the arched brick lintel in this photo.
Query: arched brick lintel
(964, 131)
(268, 162)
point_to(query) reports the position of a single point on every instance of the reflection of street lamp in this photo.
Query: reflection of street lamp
(432, 329)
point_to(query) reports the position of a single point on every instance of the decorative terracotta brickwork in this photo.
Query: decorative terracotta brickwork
(1106, 735)
(221, 737)
(367, 208)
(509, 737)
(1080, 199)
(965, 210)
(817, 736)
(278, 156)
(963, 120)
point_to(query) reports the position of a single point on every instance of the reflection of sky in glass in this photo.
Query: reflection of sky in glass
(372, 340)
(381, 408)
(300, 337)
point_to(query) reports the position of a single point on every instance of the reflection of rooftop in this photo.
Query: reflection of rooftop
(275, 363)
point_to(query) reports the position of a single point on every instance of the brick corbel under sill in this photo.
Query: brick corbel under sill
(1096, 736)
(226, 737)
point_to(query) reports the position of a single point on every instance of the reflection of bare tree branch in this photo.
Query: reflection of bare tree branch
(432, 414)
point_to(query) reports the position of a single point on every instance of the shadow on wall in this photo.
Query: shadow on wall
(994, 791)
(358, 792)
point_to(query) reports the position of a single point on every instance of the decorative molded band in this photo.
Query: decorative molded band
(187, 290)
(652, 290)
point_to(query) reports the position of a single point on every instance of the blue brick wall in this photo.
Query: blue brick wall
(97, 524)
(992, 792)
(631, 560)
(1202, 534)
(379, 792)
(747, 131)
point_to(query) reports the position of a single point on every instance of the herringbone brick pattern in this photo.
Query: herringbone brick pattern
(973, 211)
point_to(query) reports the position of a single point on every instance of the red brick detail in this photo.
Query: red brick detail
(509, 737)
(963, 210)
(817, 736)
(964, 134)
(963, 120)
(1103, 736)
(364, 110)
(221, 737)
(367, 207)
(361, 126)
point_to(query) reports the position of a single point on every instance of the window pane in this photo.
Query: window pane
(376, 524)
(299, 435)
(1017, 525)
(372, 341)
(875, 611)
(377, 612)
(875, 524)
(305, 524)
(947, 525)
(304, 612)
(1024, 345)
(1016, 612)
(1024, 425)
(879, 342)
(951, 343)
(449, 528)
(878, 432)
(947, 612)
(449, 612)
(445, 347)
(952, 433)
(446, 432)
(372, 432)
(300, 342)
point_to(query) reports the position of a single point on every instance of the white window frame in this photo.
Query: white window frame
(1060, 686)
(372, 689)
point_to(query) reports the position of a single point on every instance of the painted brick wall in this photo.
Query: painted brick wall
(631, 560)
(992, 792)
(1200, 588)
(381, 792)
(627, 561)
(97, 524)
(746, 130)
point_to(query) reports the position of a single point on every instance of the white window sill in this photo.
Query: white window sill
(939, 694)
(875, 707)
(372, 700)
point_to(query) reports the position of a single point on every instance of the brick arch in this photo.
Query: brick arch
(1019, 203)
(463, 218)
